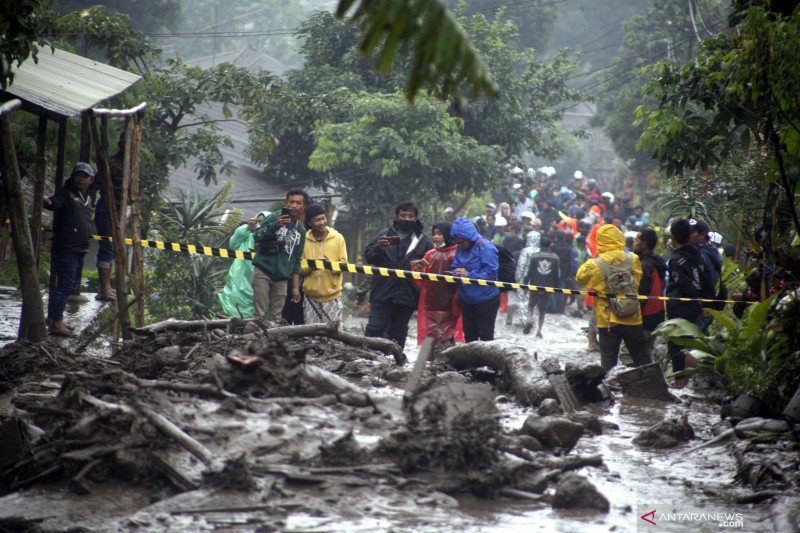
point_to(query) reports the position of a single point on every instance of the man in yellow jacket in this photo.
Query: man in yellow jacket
(323, 288)
(614, 329)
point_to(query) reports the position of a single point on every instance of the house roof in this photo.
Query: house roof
(66, 84)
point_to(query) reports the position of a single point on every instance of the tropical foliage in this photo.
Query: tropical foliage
(758, 354)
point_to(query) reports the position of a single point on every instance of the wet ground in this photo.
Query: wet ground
(635, 480)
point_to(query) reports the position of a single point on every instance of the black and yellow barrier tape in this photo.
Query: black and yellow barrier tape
(369, 270)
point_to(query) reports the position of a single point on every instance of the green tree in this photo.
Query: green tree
(20, 31)
(664, 31)
(387, 151)
(144, 15)
(535, 21)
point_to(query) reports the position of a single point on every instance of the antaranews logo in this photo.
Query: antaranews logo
(673, 518)
(650, 517)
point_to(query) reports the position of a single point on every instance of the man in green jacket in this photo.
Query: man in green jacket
(280, 241)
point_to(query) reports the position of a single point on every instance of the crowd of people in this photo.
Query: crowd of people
(571, 236)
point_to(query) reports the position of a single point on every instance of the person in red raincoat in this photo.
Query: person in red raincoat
(439, 311)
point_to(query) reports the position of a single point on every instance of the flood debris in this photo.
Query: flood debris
(523, 375)
(646, 381)
(576, 492)
(667, 433)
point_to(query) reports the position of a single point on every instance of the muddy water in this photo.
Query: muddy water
(78, 313)
(633, 478)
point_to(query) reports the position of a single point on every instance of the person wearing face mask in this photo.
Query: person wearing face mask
(393, 299)
(439, 311)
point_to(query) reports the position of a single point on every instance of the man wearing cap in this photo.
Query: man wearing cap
(72, 228)
(711, 259)
(323, 288)
(687, 277)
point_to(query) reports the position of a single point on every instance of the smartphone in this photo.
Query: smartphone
(285, 211)
(393, 239)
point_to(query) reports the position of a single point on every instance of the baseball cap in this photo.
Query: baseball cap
(715, 237)
(699, 225)
(490, 206)
(86, 168)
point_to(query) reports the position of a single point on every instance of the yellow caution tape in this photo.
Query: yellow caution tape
(336, 266)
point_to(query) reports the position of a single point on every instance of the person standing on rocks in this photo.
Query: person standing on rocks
(393, 300)
(280, 240)
(72, 228)
(476, 258)
(615, 326)
(544, 270)
(322, 288)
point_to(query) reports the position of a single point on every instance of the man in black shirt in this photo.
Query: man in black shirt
(544, 271)
(654, 270)
(687, 278)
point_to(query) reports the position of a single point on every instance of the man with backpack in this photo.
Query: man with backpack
(615, 272)
(544, 270)
(654, 271)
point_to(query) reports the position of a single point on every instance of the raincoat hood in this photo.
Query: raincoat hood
(465, 229)
(533, 239)
(445, 227)
(265, 213)
(610, 238)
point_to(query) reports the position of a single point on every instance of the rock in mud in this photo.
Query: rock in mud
(666, 434)
(762, 429)
(575, 492)
(531, 443)
(549, 407)
(646, 381)
(590, 422)
(553, 432)
(585, 378)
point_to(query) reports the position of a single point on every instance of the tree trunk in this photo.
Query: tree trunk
(31, 325)
(524, 375)
(136, 219)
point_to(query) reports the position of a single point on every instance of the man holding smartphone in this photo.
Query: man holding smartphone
(280, 240)
(392, 299)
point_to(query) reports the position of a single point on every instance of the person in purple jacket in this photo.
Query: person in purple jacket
(476, 258)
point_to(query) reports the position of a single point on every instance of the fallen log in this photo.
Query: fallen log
(193, 388)
(182, 325)
(331, 330)
(169, 429)
(523, 373)
(89, 337)
(329, 383)
(544, 460)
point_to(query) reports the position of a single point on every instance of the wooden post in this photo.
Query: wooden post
(136, 219)
(31, 325)
(101, 149)
(59, 181)
(38, 188)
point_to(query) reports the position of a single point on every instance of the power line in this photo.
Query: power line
(513, 5)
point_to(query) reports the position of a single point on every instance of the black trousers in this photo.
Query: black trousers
(479, 319)
(635, 341)
(389, 321)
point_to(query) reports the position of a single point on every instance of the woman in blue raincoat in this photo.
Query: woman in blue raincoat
(237, 295)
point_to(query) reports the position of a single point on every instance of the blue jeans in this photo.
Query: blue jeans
(68, 268)
(102, 220)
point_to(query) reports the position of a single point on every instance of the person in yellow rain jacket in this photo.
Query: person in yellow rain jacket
(614, 329)
(323, 288)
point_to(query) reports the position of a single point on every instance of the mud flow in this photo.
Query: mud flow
(249, 426)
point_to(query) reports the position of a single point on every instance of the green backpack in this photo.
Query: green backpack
(620, 281)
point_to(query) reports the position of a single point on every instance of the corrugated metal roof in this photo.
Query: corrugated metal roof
(67, 84)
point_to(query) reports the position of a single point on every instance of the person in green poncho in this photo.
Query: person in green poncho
(238, 291)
